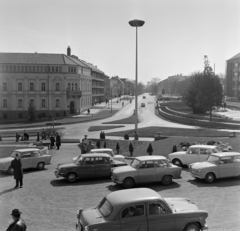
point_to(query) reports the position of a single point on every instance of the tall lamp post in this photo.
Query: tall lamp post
(136, 23)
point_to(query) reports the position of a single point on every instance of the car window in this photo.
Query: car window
(157, 208)
(100, 160)
(204, 151)
(192, 151)
(236, 159)
(26, 154)
(226, 160)
(213, 159)
(135, 163)
(161, 163)
(215, 150)
(88, 160)
(13, 154)
(133, 211)
(35, 153)
(147, 164)
(105, 207)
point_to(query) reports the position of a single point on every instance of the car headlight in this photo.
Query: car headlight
(86, 228)
(199, 170)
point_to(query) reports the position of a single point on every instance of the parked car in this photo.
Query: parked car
(142, 209)
(144, 169)
(144, 97)
(103, 150)
(31, 158)
(195, 153)
(218, 165)
(88, 166)
(142, 104)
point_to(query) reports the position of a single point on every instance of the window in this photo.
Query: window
(192, 151)
(18, 68)
(147, 164)
(20, 101)
(75, 86)
(20, 116)
(60, 69)
(5, 116)
(157, 208)
(161, 163)
(30, 69)
(43, 103)
(71, 69)
(37, 68)
(69, 86)
(10, 68)
(4, 103)
(133, 211)
(41, 69)
(74, 69)
(43, 86)
(56, 69)
(31, 86)
(88, 160)
(57, 103)
(14, 68)
(226, 160)
(52, 69)
(105, 208)
(72, 86)
(33, 68)
(22, 68)
(4, 86)
(57, 87)
(236, 159)
(101, 160)
(20, 87)
(43, 115)
(204, 151)
(57, 114)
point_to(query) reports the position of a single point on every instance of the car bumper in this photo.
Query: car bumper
(116, 180)
(197, 175)
(205, 227)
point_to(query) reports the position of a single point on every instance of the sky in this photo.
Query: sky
(174, 39)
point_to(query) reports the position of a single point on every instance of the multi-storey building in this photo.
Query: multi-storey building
(57, 85)
(117, 86)
(233, 77)
(107, 87)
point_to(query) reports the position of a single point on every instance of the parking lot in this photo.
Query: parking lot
(48, 203)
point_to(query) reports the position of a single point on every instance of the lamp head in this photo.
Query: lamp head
(136, 23)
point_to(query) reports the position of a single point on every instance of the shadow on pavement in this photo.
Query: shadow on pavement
(227, 182)
(7, 191)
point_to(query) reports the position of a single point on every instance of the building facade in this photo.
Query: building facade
(54, 84)
(233, 77)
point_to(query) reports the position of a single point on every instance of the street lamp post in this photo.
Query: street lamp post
(136, 23)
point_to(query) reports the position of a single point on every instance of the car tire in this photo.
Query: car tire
(177, 162)
(10, 171)
(40, 165)
(71, 177)
(209, 178)
(167, 180)
(192, 227)
(128, 183)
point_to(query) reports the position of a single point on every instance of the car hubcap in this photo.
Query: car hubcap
(176, 162)
(40, 166)
(192, 228)
(71, 178)
(210, 178)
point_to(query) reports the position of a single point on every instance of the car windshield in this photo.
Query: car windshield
(14, 154)
(213, 159)
(105, 207)
(78, 160)
(135, 163)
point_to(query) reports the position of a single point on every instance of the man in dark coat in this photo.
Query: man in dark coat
(52, 142)
(58, 141)
(16, 165)
(18, 223)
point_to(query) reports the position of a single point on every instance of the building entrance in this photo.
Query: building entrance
(72, 110)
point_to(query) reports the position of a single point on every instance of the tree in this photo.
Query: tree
(153, 85)
(131, 149)
(117, 148)
(150, 149)
(163, 91)
(31, 112)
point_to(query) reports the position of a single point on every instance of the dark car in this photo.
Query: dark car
(88, 166)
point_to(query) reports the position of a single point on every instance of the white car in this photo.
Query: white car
(106, 151)
(195, 153)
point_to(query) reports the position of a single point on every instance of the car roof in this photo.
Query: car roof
(203, 146)
(143, 158)
(126, 196)
(95, 155)
(222, 154)
(26, 150)
(101, 149)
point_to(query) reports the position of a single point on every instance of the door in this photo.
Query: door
(146, 172)
(226, 167)
(87, 168)
(72, 110)
(192, 155)
(133, 218)
(204, 154)
(102, 167)
(26, 159)
(161, 168)
(236, 163)
(159, 215)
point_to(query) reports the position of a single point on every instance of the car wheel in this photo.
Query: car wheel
(177, 162)
(192, 227)
(71, 177)
(210, 177)
(128, 183)
(40, 166)
(10, 171)
(167, 180)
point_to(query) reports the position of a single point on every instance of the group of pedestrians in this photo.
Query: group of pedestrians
(54, 141)
(24, 137)
(86, 145)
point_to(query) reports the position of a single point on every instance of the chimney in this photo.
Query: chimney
(68, 51)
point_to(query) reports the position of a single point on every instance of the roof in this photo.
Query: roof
(142, 158)
(95, 154)
(78, 62)
(35, 58)
(27, 150)
(203, 146)
(132, 196)
(235, 57)
(94, 68)
(222, 154)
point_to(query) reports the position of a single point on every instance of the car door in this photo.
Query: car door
(226, 167)
(159, 215)
(133, 218)
(102, 167)
(192, 155)
(26, 158)
(236, 163)
(204, 154)
(161, 168)
(86, 169)
(146, 172)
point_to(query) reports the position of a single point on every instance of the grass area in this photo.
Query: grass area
(129, 120)
(100, 128)
(177, 106)
(152, 131)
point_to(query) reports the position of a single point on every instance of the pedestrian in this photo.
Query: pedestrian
(122, 104)
(25, 135)
(117, 148)
(17, 137)
(174, 149)
(88, 110)
(82, 147)
(43, 134)
(126, 136)
(104, 144)
(85, 140)
(131, 149)
(150, 149)
(16, 165)
(18, 223)
(90, 146)
(52, 142)
(58, 140)
(136, 136)
(98, 144)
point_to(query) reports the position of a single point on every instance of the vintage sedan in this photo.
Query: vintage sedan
(88, 166)
(142, 209)
(218, 165)
(31, 158)
(144, 169)
(195, 153)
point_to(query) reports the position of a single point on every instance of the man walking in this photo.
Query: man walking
(16, 165)
(58, 141)
(18, 223)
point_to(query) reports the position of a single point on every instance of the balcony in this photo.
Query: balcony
(73, 93)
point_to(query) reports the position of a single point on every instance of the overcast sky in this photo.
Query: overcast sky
(174, 39)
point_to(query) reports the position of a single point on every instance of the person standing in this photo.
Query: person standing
(90, 146)
(17, 137)
(58, 140)
(16, 165)
(18, 223)
(52, 142)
